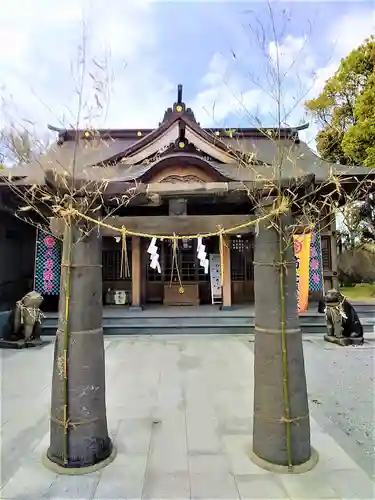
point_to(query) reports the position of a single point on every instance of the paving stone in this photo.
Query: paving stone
(304, 485)
(168, 450)
(208, 464)
(256, 486)
(237, 426)
(211, 485)
(31, 481)
(199, 406)
(134, 436)
(20, 445)
(169, 457)
(133, 408)
(314, 426)
(167, 486)
(331, 455)
(238, 450)
(170, 398)
(353, 484)
(202, 433)
(40, 448)
(113, 424)
(122, 479)
(172, 422)
(174, 406)
(237, 403)
(74, 487)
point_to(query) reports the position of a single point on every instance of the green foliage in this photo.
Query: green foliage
(345, 110)
(363, 292)
(356, 265)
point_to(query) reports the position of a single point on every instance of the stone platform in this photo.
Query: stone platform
(180, 414)
(207, 319)
(21, 344)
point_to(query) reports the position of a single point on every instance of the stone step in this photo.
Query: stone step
(118, 320)
(174, 327)
(218, 319)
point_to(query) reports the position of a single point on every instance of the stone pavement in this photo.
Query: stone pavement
(180, 414)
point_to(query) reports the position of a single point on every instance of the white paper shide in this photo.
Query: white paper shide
(154, 256)
(202, 255)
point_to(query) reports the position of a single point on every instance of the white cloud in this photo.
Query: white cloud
(39, 67)
(347, 33)
(36, 81)
(291, 52)
(350, 30)
(222, 93)
(303, 78)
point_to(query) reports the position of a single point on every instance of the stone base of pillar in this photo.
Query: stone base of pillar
(226, 308)
(284, 469)
(136, 308)
(59, 468)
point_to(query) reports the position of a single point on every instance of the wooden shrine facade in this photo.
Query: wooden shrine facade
(152, 287)
(184, 179)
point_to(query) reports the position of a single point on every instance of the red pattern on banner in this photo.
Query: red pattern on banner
(49, 241)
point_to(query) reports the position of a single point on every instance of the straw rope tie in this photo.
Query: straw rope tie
(69, 424)
(63, 213)
(282, 420)
(276, 331)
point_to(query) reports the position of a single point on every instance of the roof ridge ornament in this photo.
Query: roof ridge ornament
(179, 93)
(179, 109)
(179, 105)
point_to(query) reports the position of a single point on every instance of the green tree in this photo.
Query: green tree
(345, 110)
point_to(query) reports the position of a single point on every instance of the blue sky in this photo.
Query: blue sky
(153, 46)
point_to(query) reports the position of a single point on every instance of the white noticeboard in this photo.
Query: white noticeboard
(215, 278)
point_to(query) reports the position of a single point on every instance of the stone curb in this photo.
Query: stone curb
(284, 469)
(311, 336)
(71, 471)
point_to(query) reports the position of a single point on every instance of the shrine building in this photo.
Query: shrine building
(178, 178)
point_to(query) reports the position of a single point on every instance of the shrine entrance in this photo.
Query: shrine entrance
(242, 269)
(164, 288)
(184, 269)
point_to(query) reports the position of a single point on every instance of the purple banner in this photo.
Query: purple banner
(316, 268)
(47, 264)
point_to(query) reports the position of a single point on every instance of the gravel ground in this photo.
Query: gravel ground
(341, 383)
(342, 392)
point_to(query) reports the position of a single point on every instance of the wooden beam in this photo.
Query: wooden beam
(179, 224)
(167, 225)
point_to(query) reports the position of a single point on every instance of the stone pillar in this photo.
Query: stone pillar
(79, 399)
(227, 283)
(136, 273)
(270, 429)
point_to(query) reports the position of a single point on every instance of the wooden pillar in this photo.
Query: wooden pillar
(144, 263)
(227, 284)
(136, 273)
